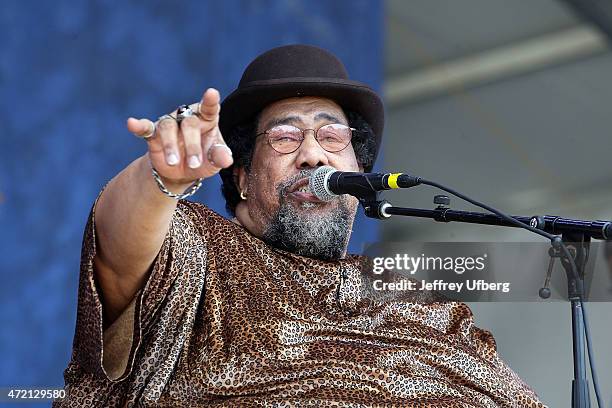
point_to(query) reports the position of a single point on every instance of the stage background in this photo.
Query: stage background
(507, 101)
(492, 97)
(70, 74)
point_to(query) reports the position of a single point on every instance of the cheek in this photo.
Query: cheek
(267, 173)
(347, 161)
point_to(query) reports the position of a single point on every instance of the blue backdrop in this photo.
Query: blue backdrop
(70, 74)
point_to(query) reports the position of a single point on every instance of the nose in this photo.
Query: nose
(310, 154)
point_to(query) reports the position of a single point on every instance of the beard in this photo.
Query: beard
(315, 234)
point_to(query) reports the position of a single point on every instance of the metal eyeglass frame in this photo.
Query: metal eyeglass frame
(316, 133)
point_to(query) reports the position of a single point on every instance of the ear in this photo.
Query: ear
(241, 179)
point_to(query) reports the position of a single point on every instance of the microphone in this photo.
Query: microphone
(326, 182)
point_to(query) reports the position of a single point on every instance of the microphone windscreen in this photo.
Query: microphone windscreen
(318, 183)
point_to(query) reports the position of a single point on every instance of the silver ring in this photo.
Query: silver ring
(209, 153)
(182, 112)
(164, 117)
(151, 133)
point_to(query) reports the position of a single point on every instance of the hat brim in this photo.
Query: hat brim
(245, 102)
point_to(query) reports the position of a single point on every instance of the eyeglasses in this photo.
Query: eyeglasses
(287, 139)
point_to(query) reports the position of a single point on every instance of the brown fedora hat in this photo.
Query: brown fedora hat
(299, 70)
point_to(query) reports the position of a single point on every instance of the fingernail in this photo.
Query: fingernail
(172, 159)
(194, 162)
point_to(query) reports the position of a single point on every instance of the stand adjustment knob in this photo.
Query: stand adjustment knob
(442, 200)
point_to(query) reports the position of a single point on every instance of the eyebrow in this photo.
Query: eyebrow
(288, 120)
(327, 116)
(281, 121)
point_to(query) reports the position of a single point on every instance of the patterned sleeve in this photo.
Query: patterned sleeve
(184, 240)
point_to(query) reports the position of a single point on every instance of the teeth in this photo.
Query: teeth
(304, 189)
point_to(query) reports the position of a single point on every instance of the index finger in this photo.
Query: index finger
(209, 107)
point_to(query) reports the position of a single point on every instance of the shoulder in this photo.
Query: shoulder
(198, 212)
(207, 221)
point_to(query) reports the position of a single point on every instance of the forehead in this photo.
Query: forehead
(306, 107)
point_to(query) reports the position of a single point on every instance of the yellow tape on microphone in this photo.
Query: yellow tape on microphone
(392, 181)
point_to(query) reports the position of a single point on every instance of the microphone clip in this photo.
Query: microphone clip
(374, 206)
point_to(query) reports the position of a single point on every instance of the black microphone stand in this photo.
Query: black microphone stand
(576, 234)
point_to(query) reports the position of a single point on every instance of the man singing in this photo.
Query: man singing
(179, 306)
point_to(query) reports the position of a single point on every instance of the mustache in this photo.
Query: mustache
(284, 185)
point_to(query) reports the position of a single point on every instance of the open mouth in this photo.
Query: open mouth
(301, 191)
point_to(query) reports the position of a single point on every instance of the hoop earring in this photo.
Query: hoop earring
(243, 195)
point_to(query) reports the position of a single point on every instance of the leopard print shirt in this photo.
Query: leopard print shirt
(225, 320)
